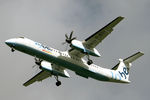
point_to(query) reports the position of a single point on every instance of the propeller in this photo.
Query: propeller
(37, 62)
(69, 39)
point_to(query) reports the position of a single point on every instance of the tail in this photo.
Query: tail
(123, 67)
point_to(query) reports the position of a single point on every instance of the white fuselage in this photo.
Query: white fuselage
(63, 59)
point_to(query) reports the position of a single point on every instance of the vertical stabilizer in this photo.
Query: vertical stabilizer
(124, 65)
(123, 70)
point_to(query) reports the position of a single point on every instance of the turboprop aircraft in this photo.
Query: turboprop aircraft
(53, 62)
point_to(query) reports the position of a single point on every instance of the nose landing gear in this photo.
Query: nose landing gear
(12, 49)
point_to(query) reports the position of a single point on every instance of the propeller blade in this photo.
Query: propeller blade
(38, 61)
(33, 66)
(73, 38)
(35, 59)
(71, 35)
(66, 36)
(63, 43)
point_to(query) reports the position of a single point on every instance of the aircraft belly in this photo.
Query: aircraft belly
(79, 67)
(99, 76)
(82, 70)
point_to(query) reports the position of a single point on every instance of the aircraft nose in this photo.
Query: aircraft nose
(10, 42)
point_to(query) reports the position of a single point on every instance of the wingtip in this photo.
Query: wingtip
(121, 17)
(141, 52)
(24, 85)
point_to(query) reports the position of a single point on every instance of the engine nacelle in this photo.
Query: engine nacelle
(79, 46)
(54, 70)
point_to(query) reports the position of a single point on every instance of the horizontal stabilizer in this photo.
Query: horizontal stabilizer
(133, 57)
(129, 59)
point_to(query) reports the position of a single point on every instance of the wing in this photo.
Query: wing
(39, 77)
(92, 41)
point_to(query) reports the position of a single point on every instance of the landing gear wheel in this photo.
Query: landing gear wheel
(89, 62)
(12, 49)
(58, 83)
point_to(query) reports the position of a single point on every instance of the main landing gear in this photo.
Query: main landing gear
(12, 49)
(58, 83)
(89, 62)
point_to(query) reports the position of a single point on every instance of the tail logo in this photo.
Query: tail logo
(124, 73)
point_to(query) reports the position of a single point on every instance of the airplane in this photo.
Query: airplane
(53, 62)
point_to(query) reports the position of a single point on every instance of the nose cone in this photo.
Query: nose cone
(10, 42)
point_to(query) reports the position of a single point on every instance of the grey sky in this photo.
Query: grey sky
(47, 21)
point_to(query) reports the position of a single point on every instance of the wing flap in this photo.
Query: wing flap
(39, 77)
(76, 53)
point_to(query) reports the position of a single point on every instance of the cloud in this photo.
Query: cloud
(47, 21)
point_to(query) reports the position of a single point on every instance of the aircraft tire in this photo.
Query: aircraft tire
(89, 62)
(58, 83)
(12, 50)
